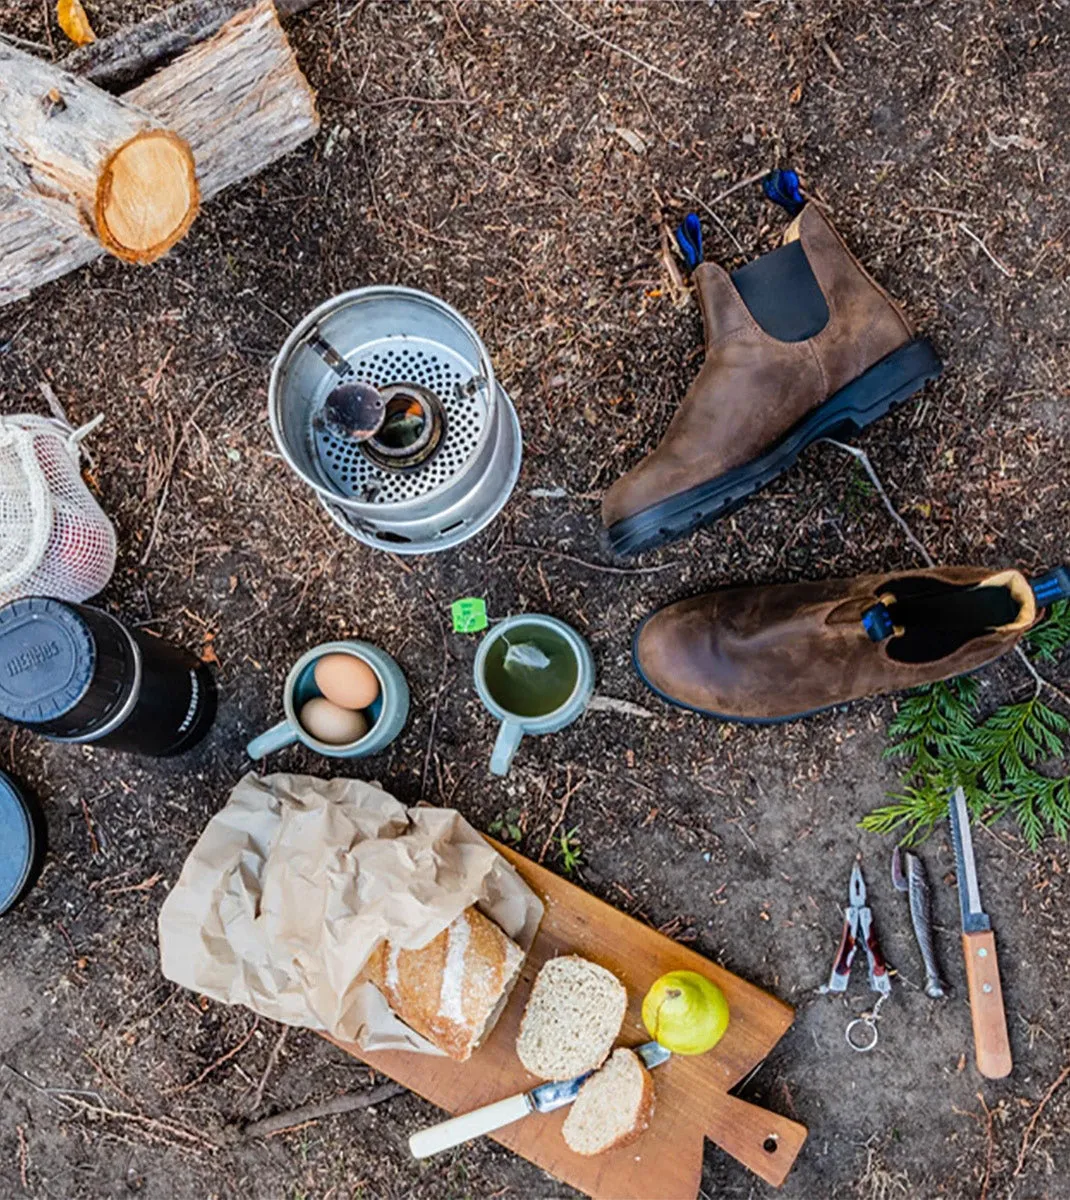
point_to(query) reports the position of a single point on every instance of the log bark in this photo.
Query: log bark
(239, 99)
(127, 56)
(87, 160)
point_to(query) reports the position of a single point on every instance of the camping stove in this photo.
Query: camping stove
(446, 453)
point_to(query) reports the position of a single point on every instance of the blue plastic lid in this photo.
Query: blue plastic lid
(17, 843)
(47, 658)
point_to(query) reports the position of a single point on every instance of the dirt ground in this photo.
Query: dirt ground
(517, 159)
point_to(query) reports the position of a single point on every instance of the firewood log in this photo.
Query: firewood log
(127, 56)
(89, 161)
(239, 99)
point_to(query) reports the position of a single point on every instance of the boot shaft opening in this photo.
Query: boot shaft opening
(928, 619)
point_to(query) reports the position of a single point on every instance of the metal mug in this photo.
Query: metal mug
(513, 726)
(388, 712)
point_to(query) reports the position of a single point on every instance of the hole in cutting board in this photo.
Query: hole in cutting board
(771, 1144)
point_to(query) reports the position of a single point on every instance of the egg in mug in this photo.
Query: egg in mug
(331, 723)
(346, 680)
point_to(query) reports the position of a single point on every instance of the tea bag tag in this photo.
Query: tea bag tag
(469, 614)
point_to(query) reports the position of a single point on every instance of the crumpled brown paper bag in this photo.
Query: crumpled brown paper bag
(293, 884)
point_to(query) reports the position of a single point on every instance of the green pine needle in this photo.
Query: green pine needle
(997, 761)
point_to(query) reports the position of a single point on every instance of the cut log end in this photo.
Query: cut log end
(147, 196)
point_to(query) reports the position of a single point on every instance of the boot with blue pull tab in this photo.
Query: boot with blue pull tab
(801, 344)
(774, 653)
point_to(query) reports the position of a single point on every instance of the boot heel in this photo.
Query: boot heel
(866, 399)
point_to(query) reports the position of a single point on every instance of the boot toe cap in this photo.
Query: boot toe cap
(669, 660)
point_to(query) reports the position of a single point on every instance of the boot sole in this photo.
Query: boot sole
(709, 712)
(864, 400)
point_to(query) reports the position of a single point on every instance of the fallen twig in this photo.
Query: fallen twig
(570, 791)
(186, 1087)
(739, 185)
(624, 707)
(715, 218)
(351, 1102)
(164, 486)
(158, 1129)
(583, 562)
(1008, 271)
(620, 49)
(146, 885)
(874, 478)
(273, 1059)
(1064, 1074)
(1039, 681)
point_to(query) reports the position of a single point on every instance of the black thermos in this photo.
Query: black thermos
(76, 674)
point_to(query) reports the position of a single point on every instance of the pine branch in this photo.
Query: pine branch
(997, 762)
(1051, 636)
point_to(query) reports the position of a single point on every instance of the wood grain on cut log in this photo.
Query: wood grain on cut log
(240, 101)
(86, 160)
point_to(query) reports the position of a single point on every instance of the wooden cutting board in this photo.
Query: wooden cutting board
(692, 1100)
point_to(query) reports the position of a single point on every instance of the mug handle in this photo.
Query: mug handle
(506, 745)
(271, 740)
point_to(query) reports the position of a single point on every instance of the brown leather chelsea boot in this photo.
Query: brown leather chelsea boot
(800, 344)
(767, 654)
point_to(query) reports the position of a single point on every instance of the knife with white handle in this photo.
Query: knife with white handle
(545, 1098)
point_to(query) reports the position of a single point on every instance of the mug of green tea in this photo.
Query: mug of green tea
(536, 675)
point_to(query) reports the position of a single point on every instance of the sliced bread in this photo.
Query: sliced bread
(572, 1019)
(613, 1108)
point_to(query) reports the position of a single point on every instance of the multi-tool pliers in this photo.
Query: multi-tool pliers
(858, 928)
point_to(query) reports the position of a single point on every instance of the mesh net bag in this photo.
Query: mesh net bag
(54, 538)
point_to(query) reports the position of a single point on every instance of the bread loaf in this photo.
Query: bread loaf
(572, 1019)
(613, 1108)
(452, 990)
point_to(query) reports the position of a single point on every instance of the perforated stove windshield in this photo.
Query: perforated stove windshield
(409, 361)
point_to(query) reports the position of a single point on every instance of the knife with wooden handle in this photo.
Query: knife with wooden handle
(991, 1044)
(545, 1098)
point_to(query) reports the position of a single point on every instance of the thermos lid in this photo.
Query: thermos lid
(17, 843)
(47, 657)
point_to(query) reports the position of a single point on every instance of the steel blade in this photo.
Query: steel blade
(653, 1054)
(973, 916)
(557, 1093)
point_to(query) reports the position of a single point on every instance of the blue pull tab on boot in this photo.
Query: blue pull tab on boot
(877, 622)
(1051, 586)
(782, 187)
(689, 239)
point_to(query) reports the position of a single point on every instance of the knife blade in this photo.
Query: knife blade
(991, 1043)
(545, 1098)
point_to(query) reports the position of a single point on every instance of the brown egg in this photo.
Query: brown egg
(346, 680)
(331, 723)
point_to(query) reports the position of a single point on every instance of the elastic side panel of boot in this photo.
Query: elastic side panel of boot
(782, 294)
(939, 619)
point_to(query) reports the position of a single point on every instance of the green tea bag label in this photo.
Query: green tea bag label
(469, 614)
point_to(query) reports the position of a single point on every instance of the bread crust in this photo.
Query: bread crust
(643, 1116)
(451, 996)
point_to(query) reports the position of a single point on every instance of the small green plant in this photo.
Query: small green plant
(569, 850)
(999, 761)
(506, 828)
(858, 493)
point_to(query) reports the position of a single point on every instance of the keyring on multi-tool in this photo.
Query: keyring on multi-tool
(858, 926)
